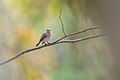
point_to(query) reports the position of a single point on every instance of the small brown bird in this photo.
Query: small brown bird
(45, 37)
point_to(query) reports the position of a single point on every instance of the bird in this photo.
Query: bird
(45, 37)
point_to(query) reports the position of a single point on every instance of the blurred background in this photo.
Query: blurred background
(23, 21)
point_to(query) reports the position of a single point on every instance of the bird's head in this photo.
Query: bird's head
(49, 31)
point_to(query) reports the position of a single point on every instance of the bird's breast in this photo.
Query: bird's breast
(47, 38)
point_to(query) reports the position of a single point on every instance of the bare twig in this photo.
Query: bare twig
(62, 22)
(54, 43)
(59, 41)
(21, 53)
(83, 31)
(75, 33)
(82, 39)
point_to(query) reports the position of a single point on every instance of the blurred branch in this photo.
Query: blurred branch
(59, 41)
(62, 22)
(78, 40)
(75, 33)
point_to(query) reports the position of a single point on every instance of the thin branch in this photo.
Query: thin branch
(62, 22)
(75, 33)
(59, 41)
(40, 47)
(82, 39)
(21, 53)
(83, 31)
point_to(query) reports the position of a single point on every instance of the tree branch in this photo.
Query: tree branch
(78, 40)
(59, 41)
(75, 33)
(62, 22)
(83, 31)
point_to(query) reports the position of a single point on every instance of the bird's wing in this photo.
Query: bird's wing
(44, 35)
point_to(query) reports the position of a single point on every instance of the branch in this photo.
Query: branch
(83, 31)
(21, 53)
(75, 33)
(59, 41)
(62, 22)
(78, 40)
(54, 43)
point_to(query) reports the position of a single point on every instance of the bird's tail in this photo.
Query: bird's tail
(38, 43)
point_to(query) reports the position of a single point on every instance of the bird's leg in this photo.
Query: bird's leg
(44, 43)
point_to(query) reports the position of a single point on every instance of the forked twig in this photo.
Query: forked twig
(51, 44)
(59, 41)
(62, 22)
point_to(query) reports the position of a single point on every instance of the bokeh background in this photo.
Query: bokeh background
(23, 21)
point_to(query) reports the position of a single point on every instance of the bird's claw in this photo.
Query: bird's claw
(45, 44)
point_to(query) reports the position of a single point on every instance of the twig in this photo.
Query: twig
(83, 31)
(51, 44)
(78, 40)
(62, 22)
(75, 33)
(59, 41)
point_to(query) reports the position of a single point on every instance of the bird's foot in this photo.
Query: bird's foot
(45, 44)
